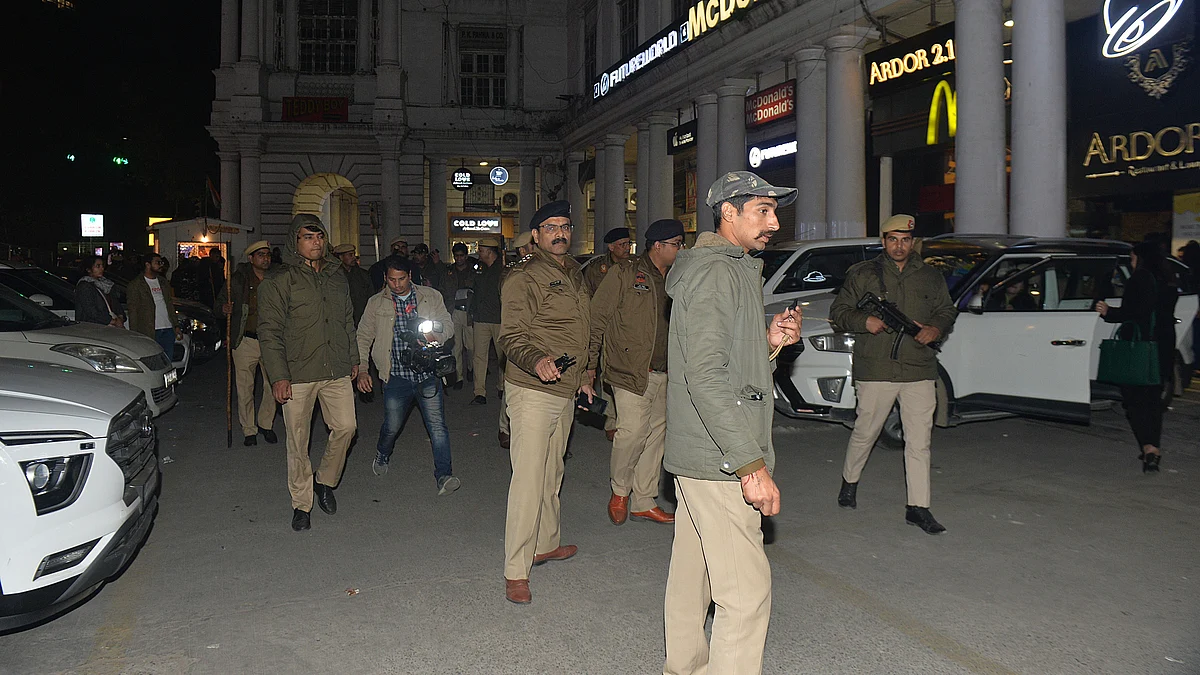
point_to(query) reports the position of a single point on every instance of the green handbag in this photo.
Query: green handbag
(1131, 362)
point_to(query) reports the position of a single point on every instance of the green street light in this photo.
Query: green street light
(120, 160)
(70, 158)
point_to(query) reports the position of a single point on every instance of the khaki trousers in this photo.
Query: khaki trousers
(917, 403)
(541, 423)
(504, 421)
(464, 339)
(637, 451)
(717, 557)
(485, 336)
(337, 409)
(247, 359)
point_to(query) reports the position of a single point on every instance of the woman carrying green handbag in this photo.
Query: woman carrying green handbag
(1147, 312)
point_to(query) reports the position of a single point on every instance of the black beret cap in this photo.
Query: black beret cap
(616, 234)
(558, 209)
(662, 230)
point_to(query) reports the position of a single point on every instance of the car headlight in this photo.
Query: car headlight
(189, 325)
(56, 482)
(835, 342)
(103, 359)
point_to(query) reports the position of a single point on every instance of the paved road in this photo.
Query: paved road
(1061, 557)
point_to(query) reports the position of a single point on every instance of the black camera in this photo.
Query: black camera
(427, 357)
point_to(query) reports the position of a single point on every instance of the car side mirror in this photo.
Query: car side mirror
(42, 299)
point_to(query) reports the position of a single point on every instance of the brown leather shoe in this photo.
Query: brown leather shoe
(618, 509)
(560, 553)
(517, 590)
(654, 515)
(611, 433)
(504, 439)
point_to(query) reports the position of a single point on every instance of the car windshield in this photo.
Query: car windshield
(19, 314)
(30, 281)
(772, 260)
(956, 264)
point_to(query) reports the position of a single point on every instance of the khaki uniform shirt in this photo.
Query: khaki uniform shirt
(595, 271)
(544, 312)
(631, 320)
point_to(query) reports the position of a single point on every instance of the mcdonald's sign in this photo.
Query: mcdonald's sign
(942, 93)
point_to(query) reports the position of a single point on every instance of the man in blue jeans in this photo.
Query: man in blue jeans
(389, 333)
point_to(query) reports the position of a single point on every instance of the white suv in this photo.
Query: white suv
(79, 480)
(798, 269)
(1038, 359)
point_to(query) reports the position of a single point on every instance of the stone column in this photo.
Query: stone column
(229, 32)
(577, 199)
(979, 191)
(389, 34)
(390, 188)
(731, 126)
(291, 37)
(527, 176)
(706, 157)
(644, 188)
(845, 148)
(598, 201)
(1039, 119)
(250, 27)
(231, 186)
(810, 142)
(885, 187)
(662, 170)
(251, 179)
(439, 225)
(362, 50)
(614, 182)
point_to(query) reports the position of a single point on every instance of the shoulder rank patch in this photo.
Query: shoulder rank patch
(603, 268)
(556, 283)
(640, 278)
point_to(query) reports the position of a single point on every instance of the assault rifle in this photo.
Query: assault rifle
(894, 319)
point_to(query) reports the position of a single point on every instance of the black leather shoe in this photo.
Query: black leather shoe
(479, 400)
(325, 498)
(268, 435)
(846, 498)
(300, 520)
(458, 385)
(250, 440)
(922, 518)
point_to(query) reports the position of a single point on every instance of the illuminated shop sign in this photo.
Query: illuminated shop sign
(771, 104)
(908, 63)
(462, 180)
(464, 224)
(704, 16)
(770, 149)
(1128, 30)
(943, 97)
(1115, 155)
(91, 224)
(681, 137)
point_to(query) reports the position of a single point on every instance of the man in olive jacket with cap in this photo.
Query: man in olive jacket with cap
(543, 317)
(719, 432)
(358, 278)
(309, 345)
(898, 275)
(238, 301)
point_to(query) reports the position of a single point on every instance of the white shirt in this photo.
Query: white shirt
(161, 318)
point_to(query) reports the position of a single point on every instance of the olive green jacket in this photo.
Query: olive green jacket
(544, 312)
(625, 313)
(719, 392)
(919, 291)
(306, 320)
(596, 269)
(139, 303)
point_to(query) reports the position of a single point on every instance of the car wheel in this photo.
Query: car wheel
(892, 434)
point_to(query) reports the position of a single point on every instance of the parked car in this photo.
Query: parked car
(798, 269)
(201, 334)
(29, 331)
(79, 485)
(1038, 362)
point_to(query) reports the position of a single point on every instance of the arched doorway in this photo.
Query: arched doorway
(331, 197)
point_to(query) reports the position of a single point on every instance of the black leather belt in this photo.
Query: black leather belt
(250, 334)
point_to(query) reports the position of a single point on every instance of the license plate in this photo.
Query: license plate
(170, 378)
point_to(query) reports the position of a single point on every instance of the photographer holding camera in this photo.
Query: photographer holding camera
(401, 330)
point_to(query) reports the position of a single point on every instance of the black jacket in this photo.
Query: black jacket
(1148, 295)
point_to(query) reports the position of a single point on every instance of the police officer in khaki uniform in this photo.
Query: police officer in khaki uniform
(523, 244)
(458, 283)
(543, 317)
(594, 271)
(630, 318)
(485, 313)
(901, 276)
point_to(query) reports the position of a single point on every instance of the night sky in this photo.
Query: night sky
(129, 78)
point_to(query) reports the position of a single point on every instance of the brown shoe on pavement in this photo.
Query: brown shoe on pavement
(504, 439)
(654, 515)
(560, 553)
(517, 590)
(611, 433)
(618, 509)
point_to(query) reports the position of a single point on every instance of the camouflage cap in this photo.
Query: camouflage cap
(738, 183)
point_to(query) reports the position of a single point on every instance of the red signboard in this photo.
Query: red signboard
(316, 109)
(771, 104)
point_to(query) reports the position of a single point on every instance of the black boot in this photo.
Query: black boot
(846, 497)
(300, 520)
(325, 498)
(250, 440)
(268, 435)
(922, 518)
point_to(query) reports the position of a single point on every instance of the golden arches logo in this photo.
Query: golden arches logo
(943, 92)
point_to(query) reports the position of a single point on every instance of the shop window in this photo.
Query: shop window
(483, 67)
(328, 32)
(628, 10)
